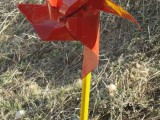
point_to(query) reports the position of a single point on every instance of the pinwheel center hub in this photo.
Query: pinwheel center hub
(62, 19)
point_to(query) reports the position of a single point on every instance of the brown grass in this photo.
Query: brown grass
(44, 78)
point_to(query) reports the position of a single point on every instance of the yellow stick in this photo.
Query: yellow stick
(85, 97)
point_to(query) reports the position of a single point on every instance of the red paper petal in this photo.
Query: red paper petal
(86, 29)
(55, 3)
(48, 30)
(111, 7)
(91, 58)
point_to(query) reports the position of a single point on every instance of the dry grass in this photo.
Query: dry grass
(43, 78)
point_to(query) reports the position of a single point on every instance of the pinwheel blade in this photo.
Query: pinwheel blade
(72, 8)
(111, 7)
(55, 3)
(86, 30)
(47, 29)
(66, 7)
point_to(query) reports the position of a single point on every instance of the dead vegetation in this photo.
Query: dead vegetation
(44, 78)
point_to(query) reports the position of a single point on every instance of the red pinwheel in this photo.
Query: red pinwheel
(68, 20)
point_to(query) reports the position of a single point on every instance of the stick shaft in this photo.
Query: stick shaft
(85, 97)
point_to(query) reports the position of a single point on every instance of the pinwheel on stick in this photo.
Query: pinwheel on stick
(74, 20)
